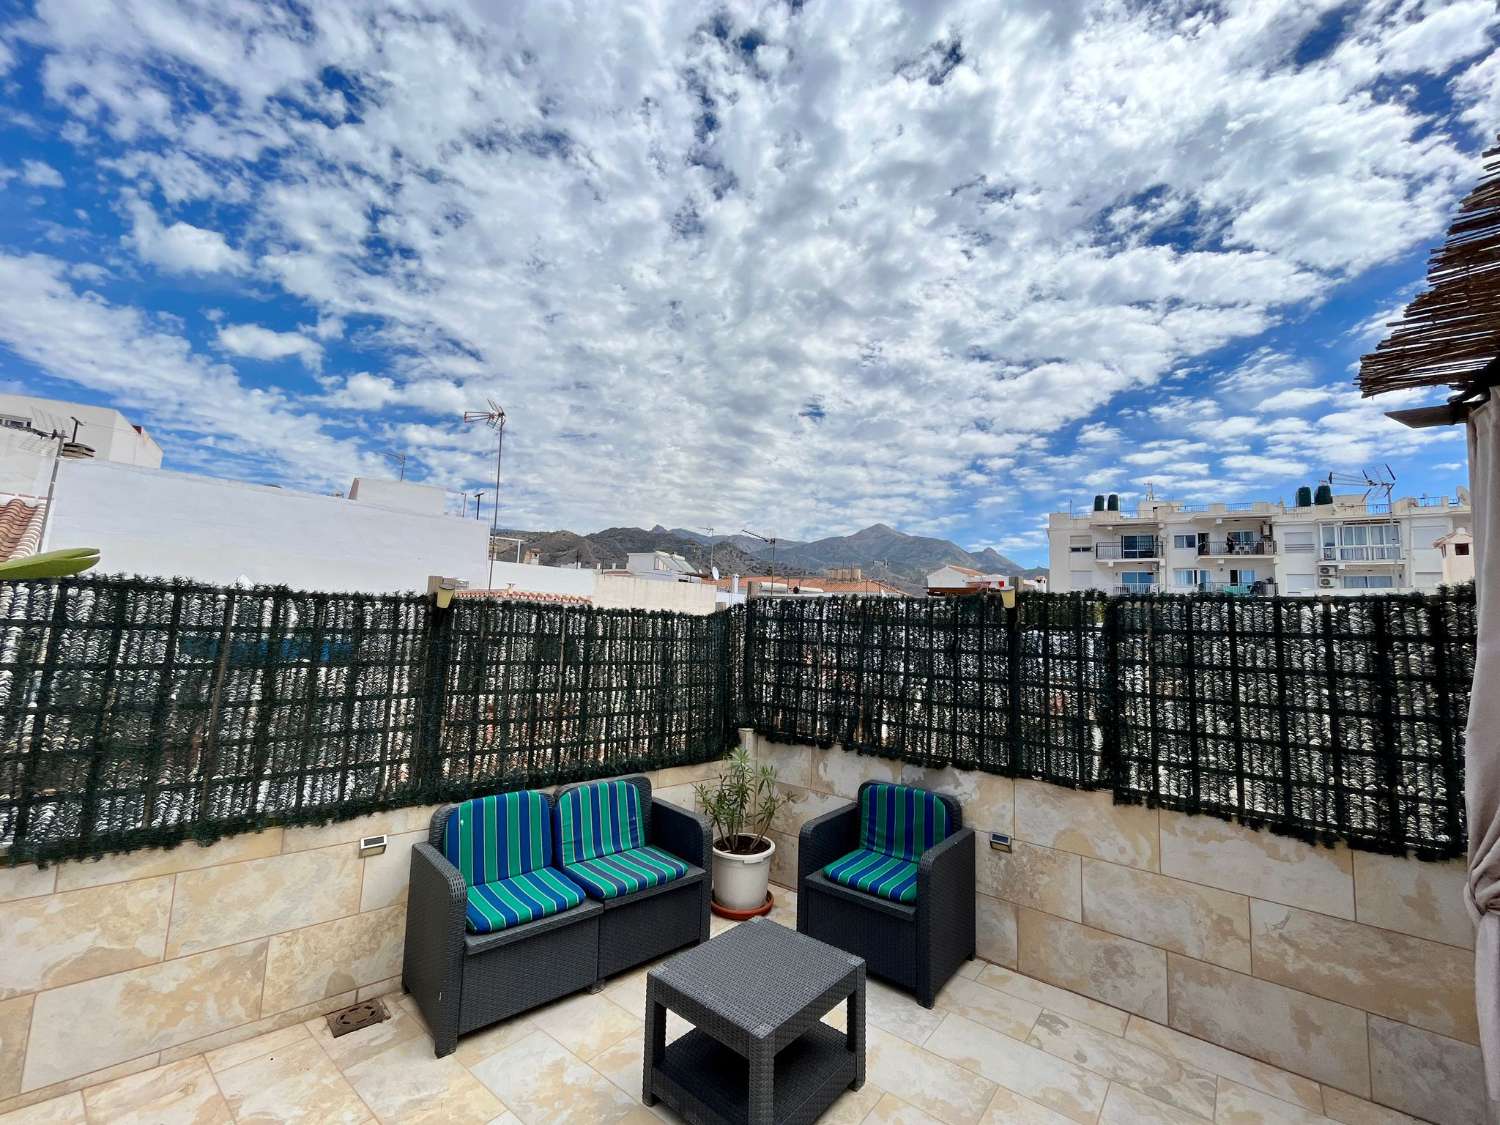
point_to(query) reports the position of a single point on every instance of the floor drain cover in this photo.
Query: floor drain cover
(356, 1016)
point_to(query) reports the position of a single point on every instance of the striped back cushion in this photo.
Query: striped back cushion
(499, 837)
(598, 819)
(897, 820)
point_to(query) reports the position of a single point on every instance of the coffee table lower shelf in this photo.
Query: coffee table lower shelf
(707, 1082)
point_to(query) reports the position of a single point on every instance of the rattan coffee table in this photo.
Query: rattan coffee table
(758, 1052)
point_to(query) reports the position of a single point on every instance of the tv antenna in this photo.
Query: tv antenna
(494, 418)
(710, 549)
(398, 457)
(1379, 482)
(771, 539)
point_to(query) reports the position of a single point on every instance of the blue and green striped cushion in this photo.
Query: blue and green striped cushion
(876, 873)
(499, 837)
(523, 898)
(626, 872)
(897, 820)
(598, 820)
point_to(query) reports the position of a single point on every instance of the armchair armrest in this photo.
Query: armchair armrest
(945, 911)
(824, 838)
(432, 963)
(685, 834)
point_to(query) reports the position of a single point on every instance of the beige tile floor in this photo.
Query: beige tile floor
(999, 1047)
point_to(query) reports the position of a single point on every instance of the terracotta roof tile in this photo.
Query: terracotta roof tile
(542, 596)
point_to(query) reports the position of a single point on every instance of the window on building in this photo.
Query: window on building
(1084, 550)
(1460, 549)
(1369, 582)
(1189, 577)
(1185, 542)
(1137, 579)
(1137, 546)
(1241, 577)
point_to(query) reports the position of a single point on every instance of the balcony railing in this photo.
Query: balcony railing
(1138, 549)
(1380, 552)
(1238, 546)
(1136, 591)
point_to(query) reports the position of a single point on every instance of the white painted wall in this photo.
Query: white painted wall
(618, 591)
(537, 579)
(400, 495)
(146, 521)
(106, 430)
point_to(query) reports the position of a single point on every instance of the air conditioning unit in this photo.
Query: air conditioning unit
(1326, 582)
(1328, 570)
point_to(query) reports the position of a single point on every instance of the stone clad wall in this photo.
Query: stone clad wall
(114, 966)
(1350, 968)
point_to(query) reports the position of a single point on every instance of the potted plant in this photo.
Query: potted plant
(740, 804)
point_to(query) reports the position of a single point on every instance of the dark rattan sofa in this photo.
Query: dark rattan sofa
(639, 925)
(462, 980)
(916, 944)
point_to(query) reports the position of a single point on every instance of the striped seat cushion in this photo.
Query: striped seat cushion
(521, 898)
(899, 821)
(499, 837)
(876, 873)
(598, 820)
(626, 872)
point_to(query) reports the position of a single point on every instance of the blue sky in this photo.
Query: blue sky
(794, 266)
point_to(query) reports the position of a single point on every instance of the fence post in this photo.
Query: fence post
(1019, 764)
(1453, 787)
(38, 726)
(1110, 749)
(426, 755)
(1386, 701)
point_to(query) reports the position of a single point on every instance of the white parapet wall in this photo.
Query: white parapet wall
(1349, 968)
(168, 524)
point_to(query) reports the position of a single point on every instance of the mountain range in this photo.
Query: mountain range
(879, 550)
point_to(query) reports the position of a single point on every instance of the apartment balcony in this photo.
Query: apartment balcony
(1376, 553)
(1136, 550)
(1135, 591)
(1236, 547)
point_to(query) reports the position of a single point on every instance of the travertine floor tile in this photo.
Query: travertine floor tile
(898, 1012)
(989, 1006)
(1349, 1110)
(181, 1093)
(356, 1046)
(1056, 999)
(1240, 1105)
(406, 1084)
(937, 1086)
(1125, 1106)
(236, 1053)
(1218, 1060)
(1066, 1087)
(66, 1110)
(587, 1023)
(477, 1046)
(1010, 1108)
(296, 1083)
(1157, 1075)
(891, 1110)
(541, 1082)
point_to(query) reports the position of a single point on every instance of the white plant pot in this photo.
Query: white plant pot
(740, 880)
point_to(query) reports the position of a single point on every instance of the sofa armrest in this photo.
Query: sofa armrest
(432, 963)
(824, 838)
(685, 834)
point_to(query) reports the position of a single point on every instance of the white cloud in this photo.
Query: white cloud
(256, 342)
(204, 409)
(39, 173)
(803, 285)
(181, 247)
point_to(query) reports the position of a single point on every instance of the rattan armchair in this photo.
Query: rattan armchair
(917, 946)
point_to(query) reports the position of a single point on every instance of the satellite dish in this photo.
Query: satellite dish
(715, 573)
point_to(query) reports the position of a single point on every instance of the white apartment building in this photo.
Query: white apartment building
(1324, 544)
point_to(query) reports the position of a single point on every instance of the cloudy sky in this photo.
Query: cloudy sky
(794, 266)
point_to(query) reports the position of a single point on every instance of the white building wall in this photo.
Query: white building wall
(618, 591)
(102, 428)
(150, 522)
